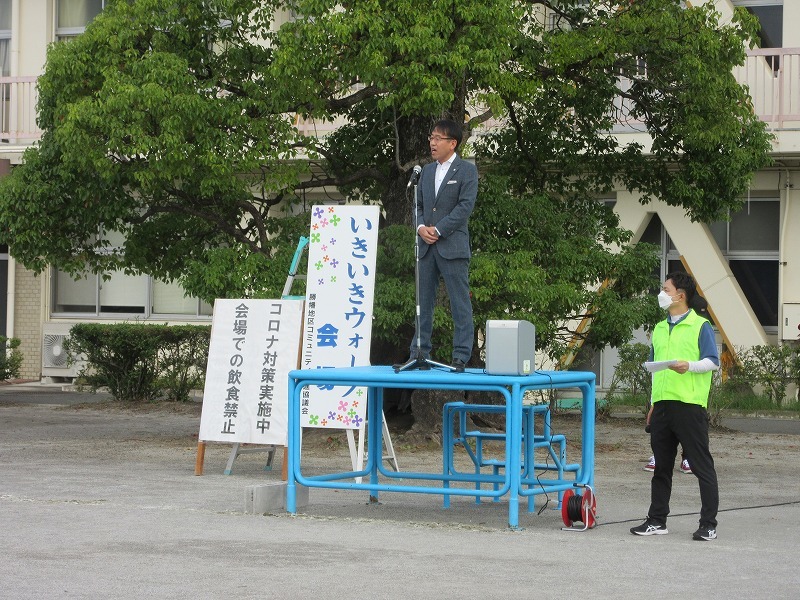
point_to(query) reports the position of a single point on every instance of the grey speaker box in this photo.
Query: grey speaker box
(510, 347)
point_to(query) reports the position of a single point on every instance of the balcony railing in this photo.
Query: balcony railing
(773, 78)
(18, 98)
(772, 75)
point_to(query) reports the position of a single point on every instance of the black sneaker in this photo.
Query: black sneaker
(458, 365)
(649, 527)
(705, 533)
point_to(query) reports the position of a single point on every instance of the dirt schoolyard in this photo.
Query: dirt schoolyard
(99, 499)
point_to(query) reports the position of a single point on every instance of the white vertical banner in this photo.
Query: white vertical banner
(340, 292)
(254, 345)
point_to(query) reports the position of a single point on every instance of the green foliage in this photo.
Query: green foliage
(543, 259)
(235, 271)
(395, 299)
(769, 367)
(732, 394)
(536, 259)
(171, 124)
(631, 384)
(629, 374)
(155, 129)
(183, 355)
(141, 363)
(10, 358)
(675, 82)
(121, 357)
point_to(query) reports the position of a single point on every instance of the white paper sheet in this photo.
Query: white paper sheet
(659, 365)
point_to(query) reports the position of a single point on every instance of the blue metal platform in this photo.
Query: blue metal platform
(514, 481)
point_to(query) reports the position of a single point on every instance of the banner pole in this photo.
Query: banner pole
(201, 455)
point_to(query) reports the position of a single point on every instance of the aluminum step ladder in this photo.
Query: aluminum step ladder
(237, 449)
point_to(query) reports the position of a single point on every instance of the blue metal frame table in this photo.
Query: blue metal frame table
(376, 379)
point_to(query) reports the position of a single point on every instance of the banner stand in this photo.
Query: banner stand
(236, 450)
(201, 455)
(357, 455)
(343, 272)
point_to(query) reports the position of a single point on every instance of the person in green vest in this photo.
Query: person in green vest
(679, 412)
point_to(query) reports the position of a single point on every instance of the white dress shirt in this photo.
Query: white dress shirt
(441, 171)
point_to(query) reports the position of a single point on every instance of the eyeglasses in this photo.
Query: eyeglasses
(438, 138)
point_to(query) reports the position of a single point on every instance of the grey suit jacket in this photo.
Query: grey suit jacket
(449, 210)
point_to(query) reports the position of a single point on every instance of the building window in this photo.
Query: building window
(749, 242)
(5, 38)
(770, 17)
(171, 299)
(122, 296)
(759, 282)
(73, 16)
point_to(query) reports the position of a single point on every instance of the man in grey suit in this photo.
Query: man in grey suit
(448, 188)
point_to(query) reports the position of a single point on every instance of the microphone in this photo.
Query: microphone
(414, 176)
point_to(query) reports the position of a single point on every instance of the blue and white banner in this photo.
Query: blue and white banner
(340, 292)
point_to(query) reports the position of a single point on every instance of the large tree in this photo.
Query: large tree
(172, 122)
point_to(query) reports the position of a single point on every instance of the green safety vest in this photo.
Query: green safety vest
(682, 343)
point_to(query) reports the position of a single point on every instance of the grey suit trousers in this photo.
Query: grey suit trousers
(455, 272)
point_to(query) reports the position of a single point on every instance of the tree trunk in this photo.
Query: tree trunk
(426, 406)
(412, 149)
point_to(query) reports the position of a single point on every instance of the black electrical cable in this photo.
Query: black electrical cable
(539, 481)
(575, 508)
(689, 514)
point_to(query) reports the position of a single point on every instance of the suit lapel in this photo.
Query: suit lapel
(430, 184)
(450, 172)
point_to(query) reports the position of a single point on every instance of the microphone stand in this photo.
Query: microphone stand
(418, 361)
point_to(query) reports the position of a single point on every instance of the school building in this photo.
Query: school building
(746, 267)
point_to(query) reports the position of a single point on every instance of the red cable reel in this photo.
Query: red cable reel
(581, 508)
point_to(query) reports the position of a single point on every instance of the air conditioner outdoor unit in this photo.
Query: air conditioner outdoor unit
(55, 360)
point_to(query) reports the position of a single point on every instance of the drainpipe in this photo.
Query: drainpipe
(5, 169)
(788, 196)
(15, 35)
(12, 282)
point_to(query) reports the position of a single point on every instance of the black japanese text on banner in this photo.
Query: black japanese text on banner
(340, 292)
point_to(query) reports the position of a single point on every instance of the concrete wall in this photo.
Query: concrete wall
(28, 321)
(790, 241)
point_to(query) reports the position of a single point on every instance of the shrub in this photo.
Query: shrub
(121, 357)
(139, 362)
(630, 375)
(183, 355)
(794, 367)
(769, 367)
(10, 358)
(723, 395)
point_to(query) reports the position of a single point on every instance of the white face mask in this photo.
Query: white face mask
(664, 300)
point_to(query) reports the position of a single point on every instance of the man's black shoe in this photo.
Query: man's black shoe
(649, 527)
(705, 533)
(458, 365)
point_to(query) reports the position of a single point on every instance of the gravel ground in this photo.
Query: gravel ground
(100, 500)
